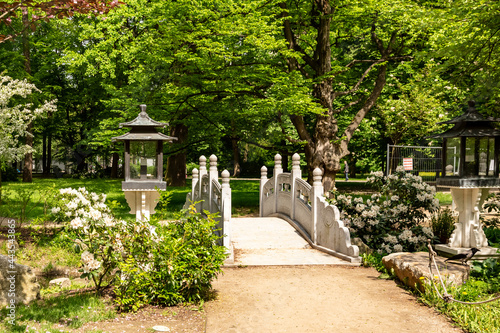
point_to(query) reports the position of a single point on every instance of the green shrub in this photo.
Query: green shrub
(487, 271)
(391, 220)
(161, 207)
(493, 235)
(472, 318)
(9, 174)
(491, 205)
(374, 260)
(443, 224)
(180, 267)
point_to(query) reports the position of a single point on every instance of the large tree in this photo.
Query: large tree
(21, 18)
(345, 49)
(204, 67)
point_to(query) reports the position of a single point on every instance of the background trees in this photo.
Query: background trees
(346, 49)
(248, 79)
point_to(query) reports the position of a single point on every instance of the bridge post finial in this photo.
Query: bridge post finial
(278, 169)
(295, 174)
(317, 177)
(226, 209)
(203, 163)
(225, 178)
(194, 184)
(317, 192)
(213, 175)
(296, 161)
(263, 172)
(263, 181)
(203, 172)
(277, 165)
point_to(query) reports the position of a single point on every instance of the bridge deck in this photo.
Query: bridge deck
(272, 241)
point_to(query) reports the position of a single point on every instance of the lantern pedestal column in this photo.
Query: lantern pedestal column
(468, 231)
(142, 203)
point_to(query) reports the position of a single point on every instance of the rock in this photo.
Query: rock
(363, 248)
(18, 283)
(61, 282)
(411, 267)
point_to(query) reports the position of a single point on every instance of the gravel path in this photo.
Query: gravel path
(316, 299)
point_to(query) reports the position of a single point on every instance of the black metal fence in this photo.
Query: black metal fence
(420, 160)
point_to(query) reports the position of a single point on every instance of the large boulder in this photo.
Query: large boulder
(413, 269)
(18, 283)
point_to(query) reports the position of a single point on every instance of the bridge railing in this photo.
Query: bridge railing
(304, 206)
(212, 196)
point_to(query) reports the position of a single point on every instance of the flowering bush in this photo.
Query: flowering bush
(177, 266)
(180, 268)
(16, 113)
(95, 232)
(390, 221)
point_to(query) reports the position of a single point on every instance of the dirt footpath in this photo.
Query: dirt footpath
(316, 299)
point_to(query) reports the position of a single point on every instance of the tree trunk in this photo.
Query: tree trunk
(49, 153)
(236, 157)
(28, 158)
(44, 154)
(176, 164)
(284, 157)
(114, 166)
(352, 169)
(324, 146)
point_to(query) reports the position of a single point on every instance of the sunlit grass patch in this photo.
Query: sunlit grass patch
(59, 313)
(444, 198)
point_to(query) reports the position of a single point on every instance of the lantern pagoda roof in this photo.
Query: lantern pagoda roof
(143, 120)
(143, 128)
(470, 124)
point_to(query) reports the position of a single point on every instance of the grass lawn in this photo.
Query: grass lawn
(38, 193)
(32, 199)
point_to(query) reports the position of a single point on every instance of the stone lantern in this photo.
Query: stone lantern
(470, 169)
(143, 167)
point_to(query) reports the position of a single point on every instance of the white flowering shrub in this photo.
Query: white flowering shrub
(96, 233)
(15, 116)
(143, 266)
(391, 220)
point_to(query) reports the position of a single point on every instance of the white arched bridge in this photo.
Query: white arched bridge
(295, 225)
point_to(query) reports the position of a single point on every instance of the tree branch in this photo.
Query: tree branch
(377, 90)
(361, 79)
(292, 42)
(283, 131)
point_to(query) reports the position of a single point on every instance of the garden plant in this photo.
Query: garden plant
(392, 219)
(147, 263)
